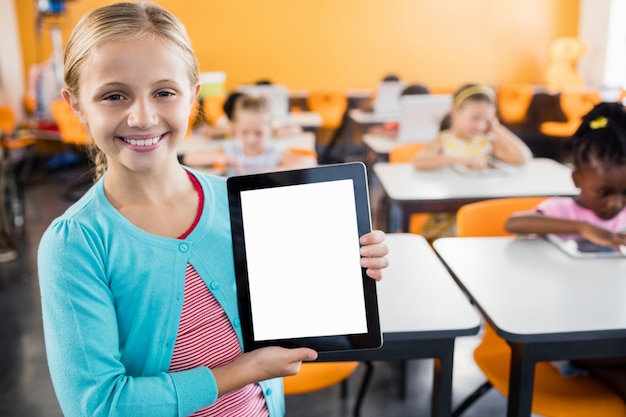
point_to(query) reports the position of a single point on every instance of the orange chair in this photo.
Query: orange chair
(513, 101)
(403, 154)
(72, 133)
(574, 104)
(312, 153)
(553, 395)
(8, 123)
(315, 376)
(71, 129)
(212, 106)
(487, 218)
(330, 105)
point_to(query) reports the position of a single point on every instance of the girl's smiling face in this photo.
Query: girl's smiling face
(602, 188)
(135, 98)
(472, 117)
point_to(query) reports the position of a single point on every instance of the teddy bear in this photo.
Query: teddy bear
(562, 71)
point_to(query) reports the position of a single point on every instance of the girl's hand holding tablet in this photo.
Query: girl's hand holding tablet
(373, 252)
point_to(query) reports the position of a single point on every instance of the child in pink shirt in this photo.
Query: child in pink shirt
(598, 213)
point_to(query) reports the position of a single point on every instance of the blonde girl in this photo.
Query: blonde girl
(137, 282)
(473, 135)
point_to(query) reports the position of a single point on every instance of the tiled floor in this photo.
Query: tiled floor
(26, 391)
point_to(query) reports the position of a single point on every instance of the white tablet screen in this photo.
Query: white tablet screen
(303, 260)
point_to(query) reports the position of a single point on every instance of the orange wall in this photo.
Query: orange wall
(320, 44)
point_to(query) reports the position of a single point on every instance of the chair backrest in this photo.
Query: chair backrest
(71, 129)
(513, 101)
(405, 153)
(575, 104)
(487, 218)
(7, 120)
(212, 106)
(303, 152)
(317, 376)
(330, 105)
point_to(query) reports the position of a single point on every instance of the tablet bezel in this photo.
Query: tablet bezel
(570, 245)
(354, 171)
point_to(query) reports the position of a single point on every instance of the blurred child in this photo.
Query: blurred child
(223, 127)
(598, 213)
(137, 279)
(474, 135)
(251, 151)
(471, 134)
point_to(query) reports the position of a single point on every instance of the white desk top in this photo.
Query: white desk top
(531, 291)
(304, 140)
(363, 117)
(539, 177)
(305, 119)
(417, 294)
(382, 145)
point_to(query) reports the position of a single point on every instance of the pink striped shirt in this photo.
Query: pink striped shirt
(206, 338)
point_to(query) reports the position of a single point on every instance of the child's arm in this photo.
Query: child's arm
(535, 222)
(507, 147)
(432, 157)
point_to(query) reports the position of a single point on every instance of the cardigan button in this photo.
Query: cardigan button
(268, 391)
(183, 247)
(214, 285)
(236, 323)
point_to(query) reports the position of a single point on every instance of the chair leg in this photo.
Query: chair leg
(344, 389)
(471, 399)
(369, 371)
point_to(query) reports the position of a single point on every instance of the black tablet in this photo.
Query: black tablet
(297, 262)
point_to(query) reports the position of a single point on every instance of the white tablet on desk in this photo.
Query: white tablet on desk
(297, 262)
(579, 247)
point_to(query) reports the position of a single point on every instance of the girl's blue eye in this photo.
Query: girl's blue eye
(164, 94)
(114, 97)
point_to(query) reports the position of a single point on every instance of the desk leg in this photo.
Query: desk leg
(398, 218)
(441, 405)
(521, 380)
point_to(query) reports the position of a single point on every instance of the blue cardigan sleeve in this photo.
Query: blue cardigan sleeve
(83, 343)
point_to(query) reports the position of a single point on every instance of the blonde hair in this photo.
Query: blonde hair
(122, 22)
(256, 104)
(474, 92)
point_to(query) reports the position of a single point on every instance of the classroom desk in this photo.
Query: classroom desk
(382, 145)
(422, 311)
(305, 119)
(369, 117)
(443, 190)
(304, 140)
(546, 305)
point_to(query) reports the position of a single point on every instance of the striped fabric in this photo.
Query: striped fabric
(206, 338)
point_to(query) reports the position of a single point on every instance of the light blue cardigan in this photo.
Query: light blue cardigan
(112, 296)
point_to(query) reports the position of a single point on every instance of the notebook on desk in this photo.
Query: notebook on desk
(577, 246)
(421, 115)
(495, 168)
(388, 98)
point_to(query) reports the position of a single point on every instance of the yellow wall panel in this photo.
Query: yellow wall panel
(319, 44)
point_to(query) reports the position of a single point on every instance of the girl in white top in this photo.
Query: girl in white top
(251, 151)
(474, 134)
